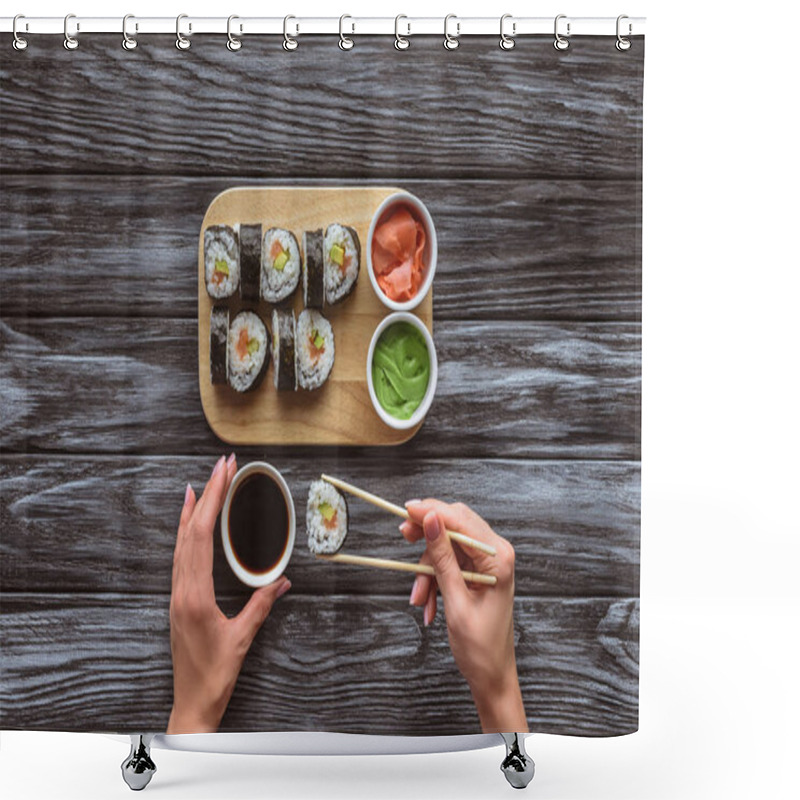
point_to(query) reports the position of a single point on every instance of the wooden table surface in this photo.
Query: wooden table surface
(530, 163)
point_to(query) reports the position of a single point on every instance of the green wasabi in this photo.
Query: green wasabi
(401, 369)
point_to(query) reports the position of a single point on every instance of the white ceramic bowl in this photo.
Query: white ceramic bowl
(244, 575)
(429, 255)
(422, 409)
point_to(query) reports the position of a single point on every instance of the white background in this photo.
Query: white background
(720, 695)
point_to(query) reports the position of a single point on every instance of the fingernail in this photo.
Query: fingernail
(432, 526)
(426, 616)
(284, 588)
(188, 493)
(403, 527)
(231, 459)
(413, 502)
(218, 465)
(413, 592)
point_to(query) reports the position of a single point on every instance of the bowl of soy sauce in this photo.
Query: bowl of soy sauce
(258, 524)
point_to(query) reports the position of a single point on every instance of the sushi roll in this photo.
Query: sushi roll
(314, 350)
(342, 252)
(221, 259)
(219, 344)
(283, 356)
(250, 261)
(313, 270)
(248, 351)
(280, 265)
(326, 518)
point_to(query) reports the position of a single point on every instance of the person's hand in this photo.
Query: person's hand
(479, 617)
(207, 648)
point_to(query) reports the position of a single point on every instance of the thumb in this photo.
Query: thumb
(252, 616)
(448, 574)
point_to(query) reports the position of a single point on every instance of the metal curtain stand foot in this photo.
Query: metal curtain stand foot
(138, 768)
(517, 766)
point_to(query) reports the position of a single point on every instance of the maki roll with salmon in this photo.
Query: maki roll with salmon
(249, 348)
(313, 270)
(221, 260)
(280, 265)
(314, 349)
(249, 261)
(283, 353)
(219, 344)
(326, 518)
(342, 252)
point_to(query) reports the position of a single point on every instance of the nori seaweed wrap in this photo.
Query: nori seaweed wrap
(250, 261)
(219, 344)
(313, 270)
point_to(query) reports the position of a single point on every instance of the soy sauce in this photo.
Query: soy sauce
(259, 523)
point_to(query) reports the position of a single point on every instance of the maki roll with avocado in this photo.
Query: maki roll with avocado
(326, 518)
(221, 259)
(342, 252)
(249, 261)
(283, 355)
(219, 344)
(248, 351)
(280, 265)
(313, 270)
(313, 348)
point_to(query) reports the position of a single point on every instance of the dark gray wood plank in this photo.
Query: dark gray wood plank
(89, 524)
(523, 250)
(102, 663)
(505, 390)
(373, 112)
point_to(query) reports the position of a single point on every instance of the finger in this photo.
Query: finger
(430, 606)
(189, 502)
(457, 517)
(210, 504)
(411, 531)
(422, 584)
(443, 558)
(252, 616)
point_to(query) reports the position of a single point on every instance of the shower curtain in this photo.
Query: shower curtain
(114, 163)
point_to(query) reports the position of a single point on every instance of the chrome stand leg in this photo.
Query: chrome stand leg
(138, 768)
(517, 766)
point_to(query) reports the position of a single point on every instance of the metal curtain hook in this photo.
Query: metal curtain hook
(400, 42)
(182, 43)
(560, 42)
(451, 42)
(70, 42)
(345, 42)
(19, 43)
(288, 42)
(622, 42)
(128, 41)
(506, 41)
(233, 44)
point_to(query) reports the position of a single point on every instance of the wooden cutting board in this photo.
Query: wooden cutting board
(339, 413)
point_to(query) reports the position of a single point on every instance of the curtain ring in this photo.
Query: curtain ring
(19, 43)
(182, 43)
(70, 42)
(560, 42)
(451, 42)
(288, 42)
(233, 43)
(345, 42)
(622, 42)
(400, 42)
(128, 42)
(507, 42)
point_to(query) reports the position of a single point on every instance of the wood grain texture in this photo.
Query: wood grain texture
(340, 412)
(372, 112)
(335, 663)
(97, 524)
(505, 390)
(558, 250)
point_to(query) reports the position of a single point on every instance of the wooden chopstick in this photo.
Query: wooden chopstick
(399, 511)
(404, 566)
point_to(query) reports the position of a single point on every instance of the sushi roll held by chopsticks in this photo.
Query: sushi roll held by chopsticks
(326, 519)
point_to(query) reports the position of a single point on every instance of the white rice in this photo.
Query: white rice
(313, 370)
(221, 242)
(243, 370)
(322, 539)
(338, 283)
(277, 285)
